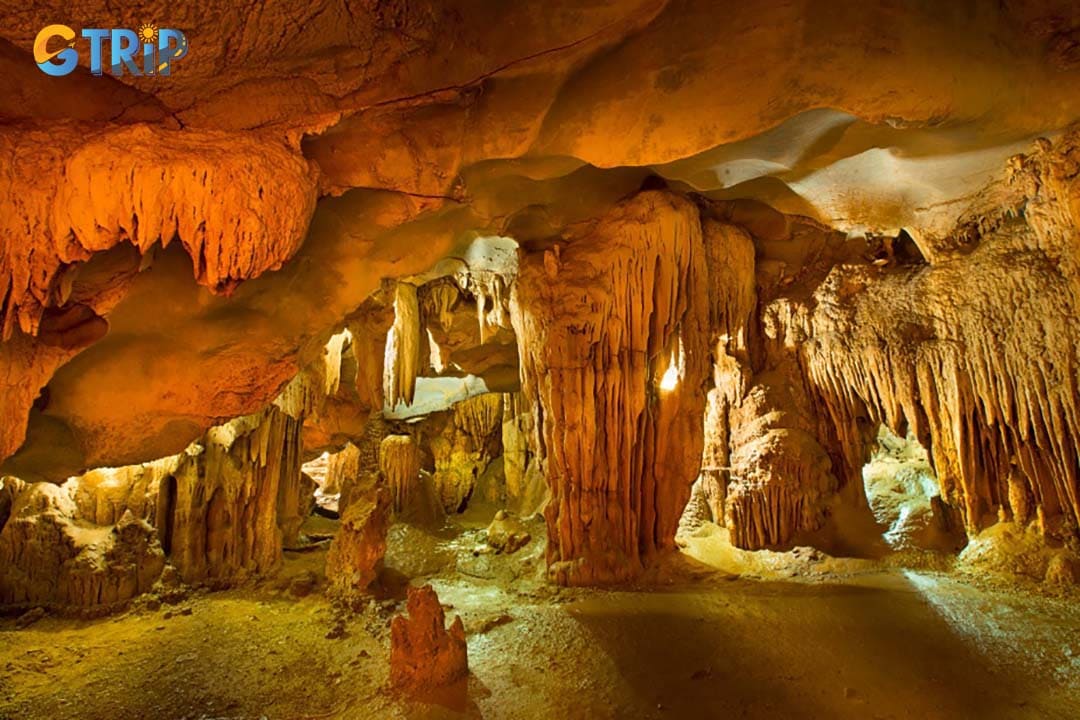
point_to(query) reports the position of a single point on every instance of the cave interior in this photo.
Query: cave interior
(651, 358)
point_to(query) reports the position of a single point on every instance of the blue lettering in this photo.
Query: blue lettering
(172, 45)
(124, 44)
(96, 36)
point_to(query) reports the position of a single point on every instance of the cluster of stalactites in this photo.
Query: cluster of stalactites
(160, 187)
(492, 294)
(985, 375)
(478, 416)
(399, 461)
(305, 394)
(439, 300)
(598, 320)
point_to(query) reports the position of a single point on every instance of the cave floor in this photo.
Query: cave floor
(704, 643)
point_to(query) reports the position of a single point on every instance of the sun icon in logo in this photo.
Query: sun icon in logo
(148, 32)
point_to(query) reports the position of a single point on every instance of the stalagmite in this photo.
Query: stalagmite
(424, 654)
(506, 534)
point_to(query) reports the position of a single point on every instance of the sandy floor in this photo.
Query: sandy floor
(859, 644)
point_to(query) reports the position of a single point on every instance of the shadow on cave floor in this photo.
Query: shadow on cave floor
(869, 645)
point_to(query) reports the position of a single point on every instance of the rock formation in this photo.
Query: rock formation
(506, 533)
(415, 497)
(465, 440)
(424, 653)
(525, 488)
(402, 361)
(356, 554)
(219, 512)
(600, 321)
(49, 556)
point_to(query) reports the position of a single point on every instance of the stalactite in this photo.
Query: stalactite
(331, 361)
(399, 462)
(489, 272)
(985, 375)
(490, 291)
(303, 394)
(438, 300)
(478, 416)
(402, 358)
(597, 319)
(161, 188)
(369, 327)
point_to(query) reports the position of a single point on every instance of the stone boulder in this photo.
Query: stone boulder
(507, 534)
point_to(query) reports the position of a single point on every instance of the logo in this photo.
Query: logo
(146, 51)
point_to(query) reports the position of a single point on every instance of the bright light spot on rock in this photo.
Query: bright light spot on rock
(673, 374)
(671, 378)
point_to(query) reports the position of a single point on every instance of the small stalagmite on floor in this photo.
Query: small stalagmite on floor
(424, 654)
